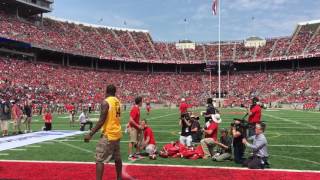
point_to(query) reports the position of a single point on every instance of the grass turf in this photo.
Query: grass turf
(293, 138)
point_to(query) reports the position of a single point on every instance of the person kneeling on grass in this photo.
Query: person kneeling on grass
(211, 131)
(84, 120)
(224, 150)
(149, 143)
(47, 118)
(259, 159)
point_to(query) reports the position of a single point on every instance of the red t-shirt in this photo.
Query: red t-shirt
(17, 111)
(255, 117)
(214, 127)
(48, 118)
(183, 107)
(148, 132)
(135, 115)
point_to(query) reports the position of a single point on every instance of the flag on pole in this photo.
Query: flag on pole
(215, 7)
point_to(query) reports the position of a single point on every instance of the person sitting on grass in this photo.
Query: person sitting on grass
(149, 143)
(224, 147)
(47, 118)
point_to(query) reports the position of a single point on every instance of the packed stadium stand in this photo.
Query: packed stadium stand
(58, 43)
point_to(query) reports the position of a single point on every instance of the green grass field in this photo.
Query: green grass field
(293, 138)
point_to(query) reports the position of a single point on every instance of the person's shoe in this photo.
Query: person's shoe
(30, 131)
(132, 157)
(25, 131)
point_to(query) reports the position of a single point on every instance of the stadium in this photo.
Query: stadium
(59, 69)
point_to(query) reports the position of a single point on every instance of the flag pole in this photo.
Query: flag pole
(219, 56)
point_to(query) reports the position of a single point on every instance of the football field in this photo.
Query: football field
(293, 139)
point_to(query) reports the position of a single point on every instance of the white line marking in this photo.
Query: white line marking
(47, 142)
(164, 165)
(17, 149)
(293, 158)
(33, 146)
(75, 147)
(4, 154)
(292, 121)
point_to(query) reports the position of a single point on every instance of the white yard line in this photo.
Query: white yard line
(17, 149)
(73, 146)
(4, 154)
(299, 159)
(33, 146)
(292, 121)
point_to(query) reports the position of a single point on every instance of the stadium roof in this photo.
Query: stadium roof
(95, 25)
(309, 22)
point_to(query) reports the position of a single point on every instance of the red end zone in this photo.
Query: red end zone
(69, 171)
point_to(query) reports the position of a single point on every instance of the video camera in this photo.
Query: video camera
(243, 123)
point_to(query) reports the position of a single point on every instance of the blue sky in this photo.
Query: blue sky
(165, 18)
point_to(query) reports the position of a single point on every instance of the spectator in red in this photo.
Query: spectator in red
(47, 118)
(183, 107)
(254, 115)
(149, 143)
(148, 107)
(135, 129)
(16, 117)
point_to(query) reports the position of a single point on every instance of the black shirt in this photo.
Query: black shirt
(237, 141)
(28, 110)
(185, 129)
(210, 110)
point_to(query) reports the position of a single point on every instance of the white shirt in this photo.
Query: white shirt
(83, 118)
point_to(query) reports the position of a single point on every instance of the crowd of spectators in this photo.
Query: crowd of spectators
(302, 38)
(103, 42)
(265, 51)
(47, 83)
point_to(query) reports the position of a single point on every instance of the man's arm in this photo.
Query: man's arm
(102, 119)
(187, 122)
(131, 121)
(146, 142)
(258, 145)
(235, 133)
(209, 132)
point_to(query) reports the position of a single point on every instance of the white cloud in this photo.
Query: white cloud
(257, 4)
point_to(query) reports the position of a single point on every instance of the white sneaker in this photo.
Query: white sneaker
(30, 131)
(25, 131)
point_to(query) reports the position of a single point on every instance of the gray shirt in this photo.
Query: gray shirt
(259, 145)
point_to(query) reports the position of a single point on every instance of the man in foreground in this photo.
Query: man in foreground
(109, 143)
(259, 148)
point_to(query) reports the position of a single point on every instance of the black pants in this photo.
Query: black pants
(196, 136)
(83, 125)
(48, 126)
(238, 152)
(255, 162)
